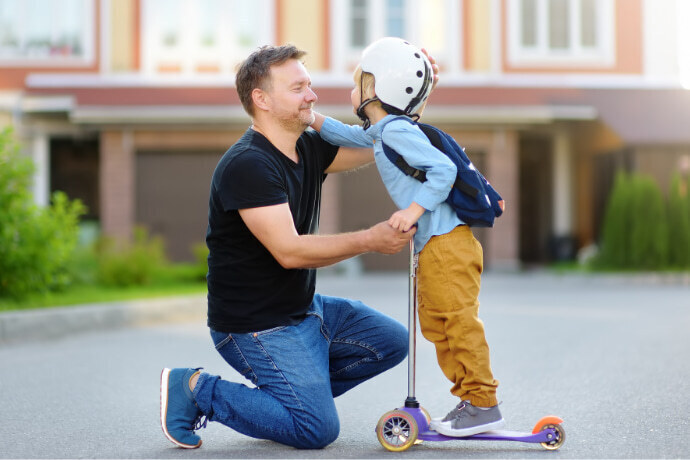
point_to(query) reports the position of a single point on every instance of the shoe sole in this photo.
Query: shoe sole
(165, 377)
(469, 431)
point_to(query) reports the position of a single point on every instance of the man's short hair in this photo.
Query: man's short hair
(254, 72)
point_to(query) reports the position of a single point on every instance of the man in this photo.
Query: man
(298, 348)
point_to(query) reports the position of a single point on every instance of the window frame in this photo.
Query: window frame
(195, 60)
(88, 36)
(601, 55)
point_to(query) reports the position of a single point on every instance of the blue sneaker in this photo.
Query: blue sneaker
(180, 415)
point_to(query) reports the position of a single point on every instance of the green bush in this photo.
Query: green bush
(643, 232)
(36, 243)
(649, 232)
(128, 264)
(679, 223)
(617, 223)
(200, 251)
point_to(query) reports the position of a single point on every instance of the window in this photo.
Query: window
(395, 18)
(426, 23)
(358, 24)
(548, 32)
(194, 37)
(46, 32)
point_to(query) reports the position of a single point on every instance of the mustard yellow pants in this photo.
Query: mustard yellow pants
(448, 281)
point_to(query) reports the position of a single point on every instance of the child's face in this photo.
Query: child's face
(355, 95)
(355, 99)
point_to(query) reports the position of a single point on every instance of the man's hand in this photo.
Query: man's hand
(387, 240)
(404, 219)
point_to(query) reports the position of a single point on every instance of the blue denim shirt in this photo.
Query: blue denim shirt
(411, 143)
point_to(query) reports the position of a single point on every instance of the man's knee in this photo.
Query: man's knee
(398, 343)
(318, 431)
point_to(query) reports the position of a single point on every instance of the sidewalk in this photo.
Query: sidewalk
(51, 323)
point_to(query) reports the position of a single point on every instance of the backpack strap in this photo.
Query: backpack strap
(435, 138)
(399, 161)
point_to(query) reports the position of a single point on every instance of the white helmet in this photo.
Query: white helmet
(402, 73)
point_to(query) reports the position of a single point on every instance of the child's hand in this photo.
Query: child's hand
(318, 121)
(405, 219)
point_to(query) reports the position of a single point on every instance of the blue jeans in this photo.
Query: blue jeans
(298, 370)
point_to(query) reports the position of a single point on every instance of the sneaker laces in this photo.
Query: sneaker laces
(464, 405)
(200, 422)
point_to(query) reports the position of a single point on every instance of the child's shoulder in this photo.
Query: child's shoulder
(400, 123)
(402, 126)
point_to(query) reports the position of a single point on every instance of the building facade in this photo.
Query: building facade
(129, 104)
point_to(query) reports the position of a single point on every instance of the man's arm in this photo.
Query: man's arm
(349, 159)
(274, 228)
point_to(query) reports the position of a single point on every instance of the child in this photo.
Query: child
(394, 78)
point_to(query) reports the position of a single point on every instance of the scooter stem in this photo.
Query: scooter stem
(411, 400)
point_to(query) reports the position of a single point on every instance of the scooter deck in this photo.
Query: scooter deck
(541, 432)
(498, 435)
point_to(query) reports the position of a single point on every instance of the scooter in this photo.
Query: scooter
(399, 429)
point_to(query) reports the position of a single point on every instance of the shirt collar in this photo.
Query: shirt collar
(376, 129)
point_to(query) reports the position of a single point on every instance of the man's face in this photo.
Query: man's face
(291, 98)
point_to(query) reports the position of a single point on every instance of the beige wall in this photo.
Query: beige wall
(662, 163)
(123, 35)
(5, 119)
(477, 33)
(303, 23)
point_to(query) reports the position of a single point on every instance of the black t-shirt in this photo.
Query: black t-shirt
(248, 290)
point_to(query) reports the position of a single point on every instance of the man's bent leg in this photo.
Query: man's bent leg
(292, 401)
(363, 342)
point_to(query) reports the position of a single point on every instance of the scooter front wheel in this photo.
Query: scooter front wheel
(554, 423)
(397, 430)
(558, 440)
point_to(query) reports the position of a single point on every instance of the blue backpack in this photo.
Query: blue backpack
(472, 197)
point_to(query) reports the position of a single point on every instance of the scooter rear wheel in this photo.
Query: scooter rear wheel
(397, 430)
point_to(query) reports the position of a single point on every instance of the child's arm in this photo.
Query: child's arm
(351, 155)
(338, 133)
(318, 121)
(411, 143)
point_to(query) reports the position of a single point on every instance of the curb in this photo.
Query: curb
(24, 326)
(52, 323)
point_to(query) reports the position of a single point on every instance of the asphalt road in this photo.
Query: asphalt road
(610, 356)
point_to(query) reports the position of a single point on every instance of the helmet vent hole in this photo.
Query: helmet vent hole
(408, 90)
(417, 55)
(420, 74)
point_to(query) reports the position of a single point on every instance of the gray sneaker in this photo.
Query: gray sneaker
(466, 420)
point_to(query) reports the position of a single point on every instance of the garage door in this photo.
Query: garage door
(172, 192)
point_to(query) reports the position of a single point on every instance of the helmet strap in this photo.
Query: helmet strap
(362, 115)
